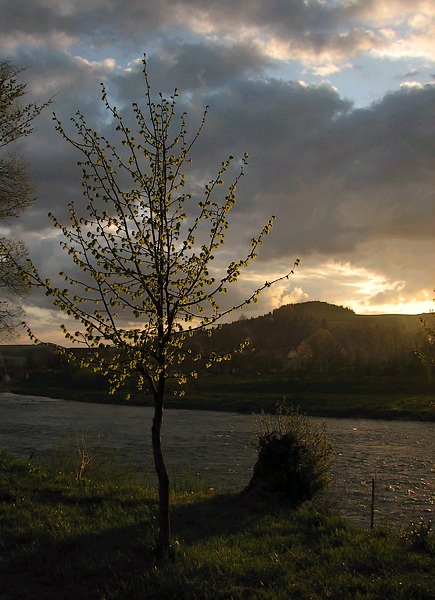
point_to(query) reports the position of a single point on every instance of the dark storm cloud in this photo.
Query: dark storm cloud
(308, 27)
(194, 69)
(204, 67)
(100, 18)
(332, 175)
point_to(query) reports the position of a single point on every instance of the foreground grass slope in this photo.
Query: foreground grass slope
(63, 538)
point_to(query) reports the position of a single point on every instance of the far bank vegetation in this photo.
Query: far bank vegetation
(307, 341)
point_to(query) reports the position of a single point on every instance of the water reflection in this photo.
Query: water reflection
(399, 455)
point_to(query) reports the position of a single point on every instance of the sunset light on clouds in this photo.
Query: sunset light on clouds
(334, 101)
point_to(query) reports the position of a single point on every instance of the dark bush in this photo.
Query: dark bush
(295, 457)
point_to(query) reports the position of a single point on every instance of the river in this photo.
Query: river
(399, 455)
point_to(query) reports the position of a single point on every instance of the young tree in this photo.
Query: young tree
(16, 190)
(145, 248)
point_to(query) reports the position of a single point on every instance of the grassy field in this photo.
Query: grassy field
(377, 398)
(92, 537)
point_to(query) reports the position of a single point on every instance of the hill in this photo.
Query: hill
(314, 339)
(317, 337)
(324, 358)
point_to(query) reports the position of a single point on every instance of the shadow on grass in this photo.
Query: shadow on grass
(80, 567)
(77, 567)
(50, 566)
(219, 515)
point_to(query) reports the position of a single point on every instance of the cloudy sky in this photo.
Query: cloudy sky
(334, 101)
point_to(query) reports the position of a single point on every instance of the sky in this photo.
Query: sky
(333, 100)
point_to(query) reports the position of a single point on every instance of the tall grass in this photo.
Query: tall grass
(88, 457)
(184, 479)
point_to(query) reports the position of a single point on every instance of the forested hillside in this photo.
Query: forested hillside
(319, 338)
(307, 340)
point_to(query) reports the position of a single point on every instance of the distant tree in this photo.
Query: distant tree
(12, 287)
(426, 343)
(303, 356)
(16, 189)
(325, 348)
(145, 248)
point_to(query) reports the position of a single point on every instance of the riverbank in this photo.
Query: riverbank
(377, 398)
(93, 539)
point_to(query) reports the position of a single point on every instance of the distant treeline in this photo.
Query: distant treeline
(307, 340)
(317, 339)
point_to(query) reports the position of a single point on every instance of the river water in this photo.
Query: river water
(400, 456)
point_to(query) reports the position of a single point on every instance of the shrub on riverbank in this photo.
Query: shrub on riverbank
(92, 538)
(295, 457)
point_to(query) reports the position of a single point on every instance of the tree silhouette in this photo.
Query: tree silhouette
(16, 189)
(145, 249)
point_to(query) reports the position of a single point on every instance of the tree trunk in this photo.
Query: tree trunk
(164, 539)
